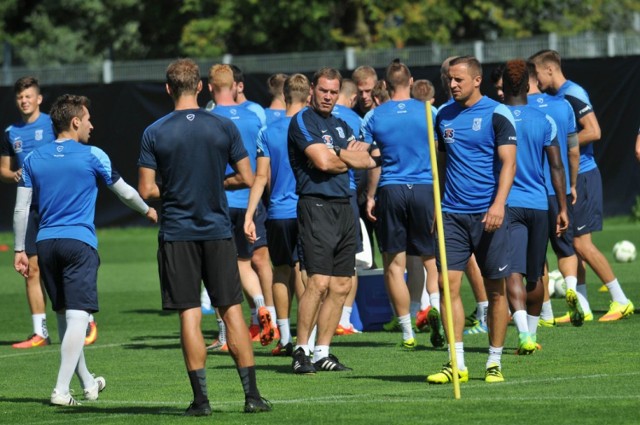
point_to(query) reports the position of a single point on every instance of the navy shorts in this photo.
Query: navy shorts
(464, 235)
(69, 269)
(182, 265)
(529, 236)
(405, 219)
(33, 225)
(563, 245)
(353, 199)
(282, 237)
(327, 235)
(245, 249)
(587, 211)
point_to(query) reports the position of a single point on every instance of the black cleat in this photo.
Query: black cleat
(253, 405)
(301, 363)
(202, 409)
(331, 364)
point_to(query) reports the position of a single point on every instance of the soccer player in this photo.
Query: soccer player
(189, 150)
(63, 177)
(404, 208)
(223, 89)
(560, 110)
(588, 206)
(282, 227)
(423, 90)
(33, 130)
(276, 109)
(476, 137)
(365, 78)
(321, 150)
(528, 204)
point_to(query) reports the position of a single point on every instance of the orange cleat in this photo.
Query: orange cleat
(33, 341)
(254, 333)
(266, 328)
(341, 330)
(92, 333)
(422, 322)
(218, 345)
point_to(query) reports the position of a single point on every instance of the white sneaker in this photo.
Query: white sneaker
(63, 399)
(92, 393)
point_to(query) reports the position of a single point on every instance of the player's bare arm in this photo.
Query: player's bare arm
(590, 129)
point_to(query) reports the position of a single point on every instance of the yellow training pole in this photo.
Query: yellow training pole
(443, 253)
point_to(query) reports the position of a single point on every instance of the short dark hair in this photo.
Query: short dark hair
(65, 108)
(26, 82)
(515, 78)
(496, 73)
(328, 73)
(238, 75)
(471, 62)
(183, 76)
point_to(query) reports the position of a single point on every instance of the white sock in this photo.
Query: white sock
(86, 378)
(40, 325)
(520, 320)
(258, 300)
(414, 308)
(320, 352)
(616, 292)
(481, 312)
(222, 331)
(581, 291)
(425, 299)
(405, 323)
(272, 313)
(285, 331)
(434, 299)
(459, 347)
(572, 282)
(205, 301)
(547, 311)
(345, 318)
(532, 321)
(495, 356)
(312, 338)
(71, 347)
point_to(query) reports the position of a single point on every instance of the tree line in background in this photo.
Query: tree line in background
(50, 32)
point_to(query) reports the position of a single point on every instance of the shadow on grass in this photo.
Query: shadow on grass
(391, 378)
(128, 410)
(151, 311)
(152, 346)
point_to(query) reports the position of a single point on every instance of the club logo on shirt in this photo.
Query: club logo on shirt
(191, 117)
(59, 148)
(328, 141)
(17, 145)
(540, 100)
(233, 112)
(340, 132)
(39, 133)
(477, 124)
(448, 135)
(516, 112)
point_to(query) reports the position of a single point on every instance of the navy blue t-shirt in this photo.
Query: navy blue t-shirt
(307, 128)
(190, 150)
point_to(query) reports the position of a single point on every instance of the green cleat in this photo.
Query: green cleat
(576, 315)
(437, 336)
(493, 374)
(542, 323)
(526, 344)
(445, 376)
(392, 326)
(409, 344)
(477, 329)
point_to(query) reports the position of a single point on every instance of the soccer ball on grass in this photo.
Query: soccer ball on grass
(624, 252)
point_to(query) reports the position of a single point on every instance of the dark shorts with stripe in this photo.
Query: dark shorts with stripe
(587, 211)
(529, 236)
(69, 269)
(33, 225)
(282, 240)
(563, 245)
(182, 265)
(405, 219)
(245, 249)
(327, 235)
(464, 234)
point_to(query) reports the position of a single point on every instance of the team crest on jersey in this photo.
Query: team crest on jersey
(477, 124)
(401, 106)
(340, 132)
(191, 117)
(540, 100)
(39, 134)
(59, 148)
(448, 135)
(517, 112)
(17, 145)
(328, 140)
(233, 112)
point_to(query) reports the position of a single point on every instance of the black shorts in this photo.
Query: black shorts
(587, 211)
(327, 235)
(405, 218)
(33, 225)
(69, 269)
(245, 249)
(283, 241)
(182, 265)
(529, 236)
(563, 245)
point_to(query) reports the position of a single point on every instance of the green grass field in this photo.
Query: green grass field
(585, 375)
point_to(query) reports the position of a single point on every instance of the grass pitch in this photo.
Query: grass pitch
(585, 375)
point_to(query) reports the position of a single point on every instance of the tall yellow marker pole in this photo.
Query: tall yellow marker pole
(443, 253)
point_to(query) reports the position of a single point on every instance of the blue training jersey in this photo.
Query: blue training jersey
(308, 127)
(579, 101)
(65, 175)
(470, 137)
(256, 109)
(272, 144)
(190, 150)
(561, 112)
(354, 121)
(535, 131)
(273, 115)
(399, 129)
(249, 125)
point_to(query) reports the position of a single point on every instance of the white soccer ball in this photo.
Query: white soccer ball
(557, 285)
(624, 252)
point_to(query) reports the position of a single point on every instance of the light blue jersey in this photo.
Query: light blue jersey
(256, 109)
(249, 125)
(535, 131)
(273, 115)
(355, 122)
(561, 112)
(579, 100)
(65, 175)
(471, 137)
(399, 129)
(272, 144)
